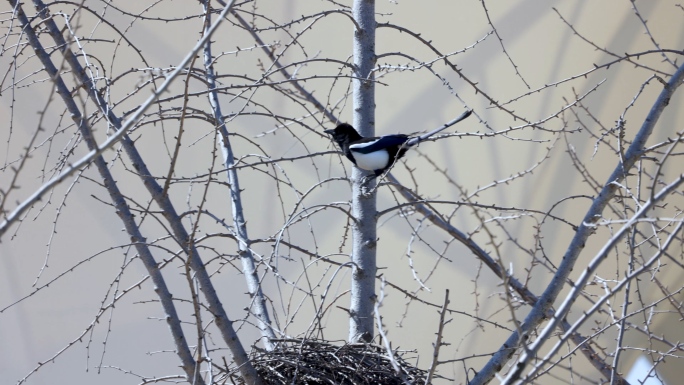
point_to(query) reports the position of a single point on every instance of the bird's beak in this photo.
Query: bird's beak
(329, 132)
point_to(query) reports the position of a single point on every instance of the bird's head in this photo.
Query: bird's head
(344, 134)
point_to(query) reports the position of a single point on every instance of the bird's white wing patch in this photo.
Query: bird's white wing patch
(376, 160)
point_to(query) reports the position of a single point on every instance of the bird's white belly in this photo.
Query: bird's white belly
(374, 161)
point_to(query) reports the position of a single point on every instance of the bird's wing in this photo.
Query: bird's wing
(368, 145)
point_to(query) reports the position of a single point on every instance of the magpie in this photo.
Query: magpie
(378, 154)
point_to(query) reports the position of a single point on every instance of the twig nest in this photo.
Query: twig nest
(309, 362)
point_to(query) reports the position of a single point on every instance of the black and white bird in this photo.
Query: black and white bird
(378, 154)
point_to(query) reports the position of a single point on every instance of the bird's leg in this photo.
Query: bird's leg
(368, 178)
(365, 190)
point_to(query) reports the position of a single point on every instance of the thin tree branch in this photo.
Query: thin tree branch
(438, 340)
(529, 297)
(116, 137)
(137, 239)
(223, 323)
(258, 303)
(586, 228)
(582, 281)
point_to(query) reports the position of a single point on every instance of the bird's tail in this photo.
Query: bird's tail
(413, 141)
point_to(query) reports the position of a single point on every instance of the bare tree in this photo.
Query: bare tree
(549, 224)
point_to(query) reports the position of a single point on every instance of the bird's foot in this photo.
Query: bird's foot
(367, 188)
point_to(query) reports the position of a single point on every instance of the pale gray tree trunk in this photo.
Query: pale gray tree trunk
(363, 203)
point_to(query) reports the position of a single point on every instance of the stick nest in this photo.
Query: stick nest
(307, 362)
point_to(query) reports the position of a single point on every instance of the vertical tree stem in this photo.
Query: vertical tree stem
(363, 203)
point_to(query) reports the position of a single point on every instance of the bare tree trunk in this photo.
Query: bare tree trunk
(363, 203)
